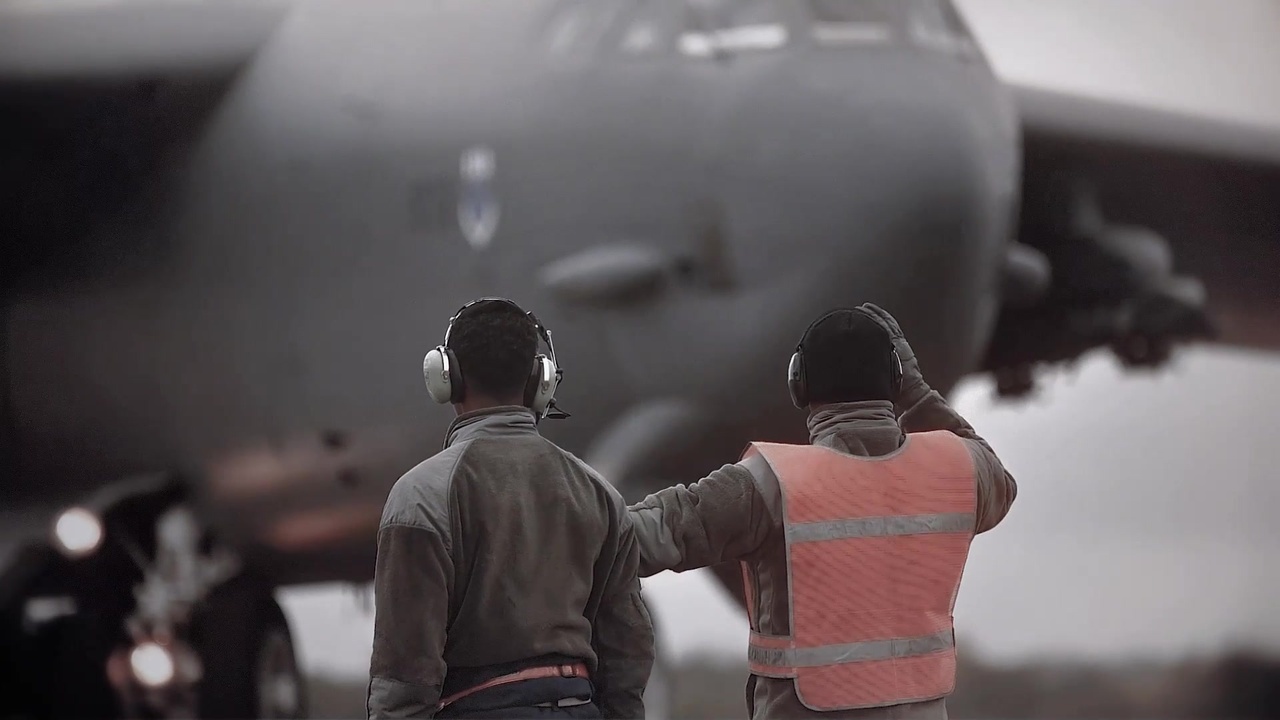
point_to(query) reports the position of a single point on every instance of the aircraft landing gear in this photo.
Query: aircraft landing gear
(217, 644)
(250, 668)
(236, 661)
(174, 626)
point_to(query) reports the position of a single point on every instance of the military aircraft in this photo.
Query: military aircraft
(231, 229)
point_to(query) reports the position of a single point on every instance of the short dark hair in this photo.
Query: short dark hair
(848, 357)
(495, 344)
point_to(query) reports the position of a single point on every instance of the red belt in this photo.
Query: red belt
(575, 670)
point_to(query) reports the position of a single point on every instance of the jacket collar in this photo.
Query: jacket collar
(861, 428)
(499, 421)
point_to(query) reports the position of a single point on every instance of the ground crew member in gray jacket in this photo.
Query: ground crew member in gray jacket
(506, 578)
(850, 566)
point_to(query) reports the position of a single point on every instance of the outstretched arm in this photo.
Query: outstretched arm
(920, 408)
(724, 516)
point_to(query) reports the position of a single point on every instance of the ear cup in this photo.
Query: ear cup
(453, 373)
(796, 381)
(443, 377)
(541, 388)
(443, 374)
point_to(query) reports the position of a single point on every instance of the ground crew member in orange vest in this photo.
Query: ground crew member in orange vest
(851, 547)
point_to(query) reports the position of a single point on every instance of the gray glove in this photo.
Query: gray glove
(913, 384)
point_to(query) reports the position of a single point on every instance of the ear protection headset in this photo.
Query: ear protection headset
(797, 384)
(445, 384)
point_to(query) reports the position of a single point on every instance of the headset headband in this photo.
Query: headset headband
(836, 311)
(814, 324)
(797, 384)
(543, 333)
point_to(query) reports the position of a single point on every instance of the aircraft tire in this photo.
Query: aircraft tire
(65, 653)
(250, 666)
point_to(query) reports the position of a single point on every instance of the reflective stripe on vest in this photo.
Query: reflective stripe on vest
(875, 551)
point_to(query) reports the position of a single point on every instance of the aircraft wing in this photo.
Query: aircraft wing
(124, 40)
(1155, 227)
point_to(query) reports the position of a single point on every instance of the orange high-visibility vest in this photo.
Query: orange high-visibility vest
(875, 550)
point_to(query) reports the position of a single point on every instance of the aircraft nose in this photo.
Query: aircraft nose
(896, 185)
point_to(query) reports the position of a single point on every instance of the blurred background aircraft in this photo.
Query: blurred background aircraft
(272, 195)
(1084, 576)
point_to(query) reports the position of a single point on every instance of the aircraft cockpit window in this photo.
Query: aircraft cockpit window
(576, 28)
(854, 22)
(733, 26)
(937, 25)
(645, 31)
(641, 37)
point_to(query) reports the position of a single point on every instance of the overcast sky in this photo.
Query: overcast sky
(1144, 524)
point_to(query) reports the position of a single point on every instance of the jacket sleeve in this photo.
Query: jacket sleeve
(622, 633)
(724, 516)
(412, 579)
(923, 409)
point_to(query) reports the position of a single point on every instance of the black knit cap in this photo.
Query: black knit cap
(848, 357)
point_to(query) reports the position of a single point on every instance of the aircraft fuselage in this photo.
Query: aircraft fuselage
(376, 166)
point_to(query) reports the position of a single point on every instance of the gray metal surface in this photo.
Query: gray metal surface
(230, 267)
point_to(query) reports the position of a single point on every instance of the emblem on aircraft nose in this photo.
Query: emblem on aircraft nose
(478, 207)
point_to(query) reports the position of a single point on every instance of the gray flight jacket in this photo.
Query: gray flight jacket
(501, 548)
